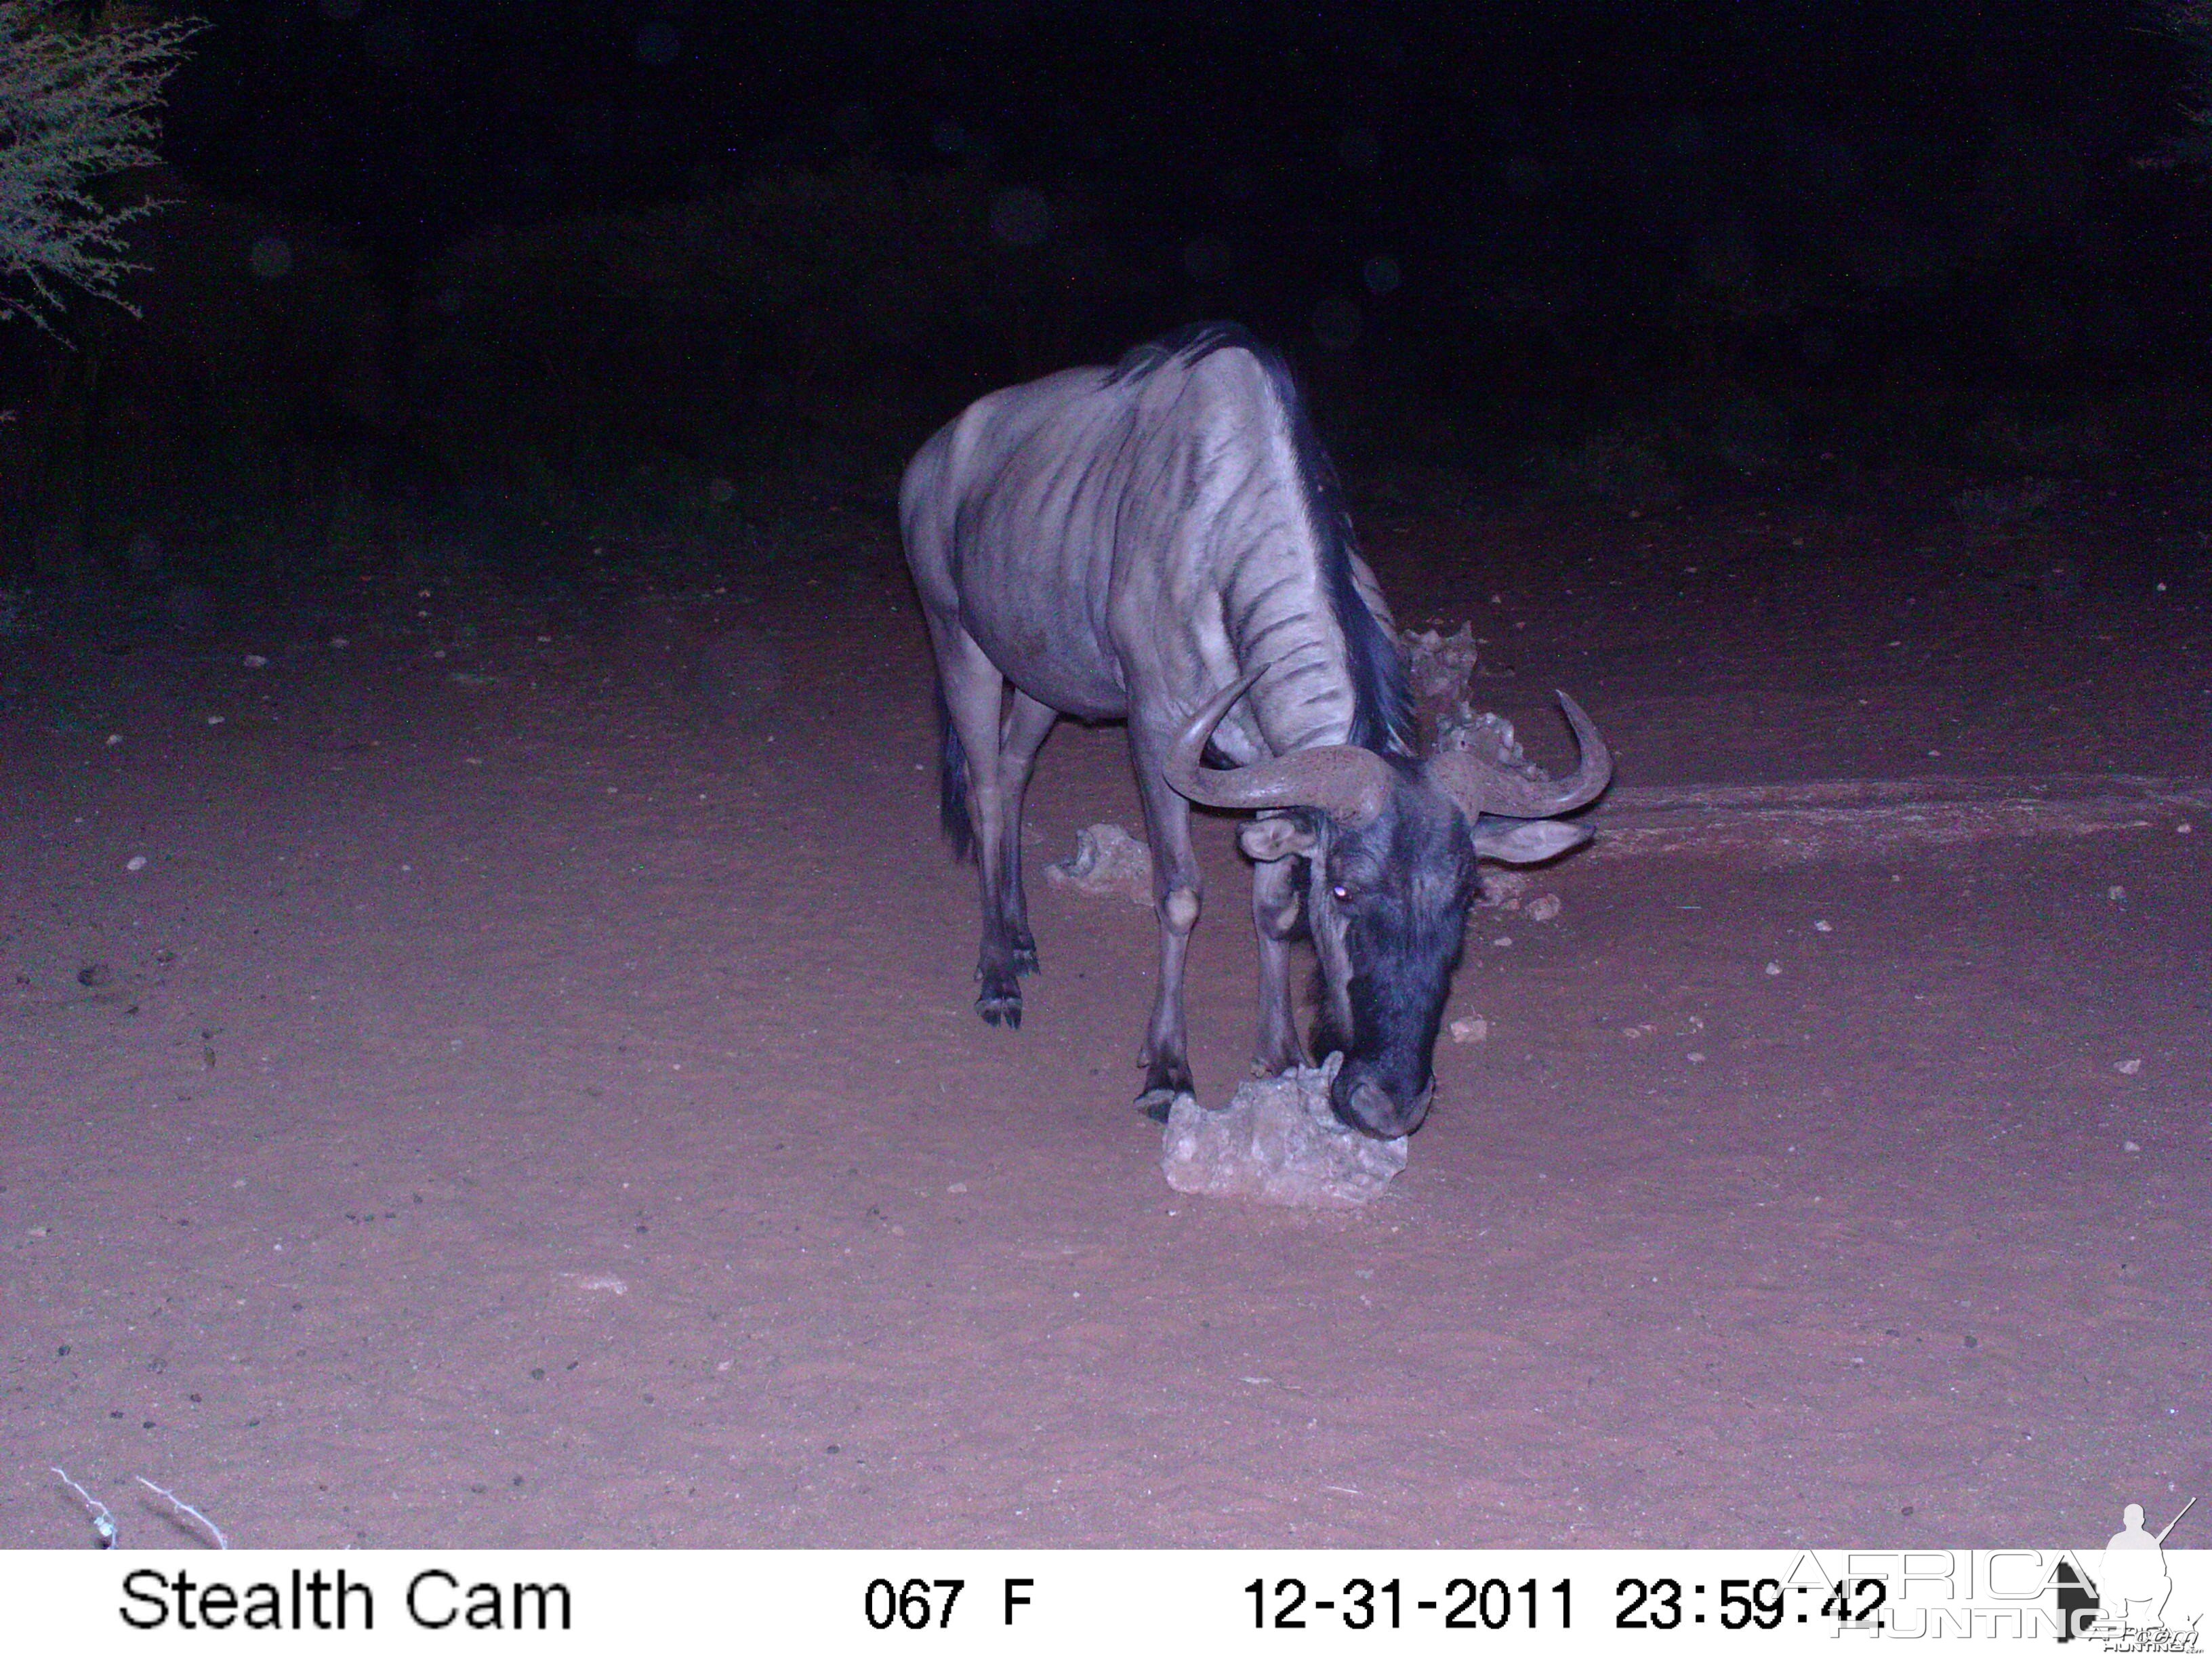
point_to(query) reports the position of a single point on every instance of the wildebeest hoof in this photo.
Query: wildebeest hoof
(1001, 1002)
(1156, 1104)
(1025, 958)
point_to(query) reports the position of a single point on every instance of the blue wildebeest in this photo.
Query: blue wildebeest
(1162, 542)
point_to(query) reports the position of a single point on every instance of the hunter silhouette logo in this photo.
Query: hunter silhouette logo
(2123, 1608)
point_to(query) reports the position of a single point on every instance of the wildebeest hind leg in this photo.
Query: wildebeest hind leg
(1020, 736)
(974, 690)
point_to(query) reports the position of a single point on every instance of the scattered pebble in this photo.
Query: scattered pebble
(2127, 1068)
(340, 643)
(957, 1187)
(1545, 908)
(215, 720)
(1695, 1058)
(605, 1283)
(1473, 1028)
(2116, 892)
(114, 737)
(1502, 941)
(2129, 1146)
(1822, 927)
(1772, 969)
(253, 659)
(137, 861)
(2182, 829)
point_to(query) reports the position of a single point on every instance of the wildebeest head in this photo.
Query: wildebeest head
(1389, 845)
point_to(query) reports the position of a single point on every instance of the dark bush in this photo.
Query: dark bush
(804, 310)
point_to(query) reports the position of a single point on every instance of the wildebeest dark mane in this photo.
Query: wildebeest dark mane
(1382, 698)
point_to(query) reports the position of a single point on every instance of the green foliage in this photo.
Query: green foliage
(74, 108)
(2190, 21)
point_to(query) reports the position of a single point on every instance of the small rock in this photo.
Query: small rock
(1278, 1141)
(1107, 860)
(1695, 1058)
(1473, 1028)
(93, 977)
(340, 643)
(1822, 927)
(114, 737)
(254, 660)
(1544, 907)
(1772, 969)
(1502, 941)
(2127, 1068)
(1440, 665)
(1500, 885)
(137, 861)
(2129, 1146)
(2116, 892)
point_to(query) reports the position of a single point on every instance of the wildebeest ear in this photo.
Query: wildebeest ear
(1524, 841)
(1266, 840)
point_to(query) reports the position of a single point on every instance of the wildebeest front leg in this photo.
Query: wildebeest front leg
(1275, 917)
(1176, 893)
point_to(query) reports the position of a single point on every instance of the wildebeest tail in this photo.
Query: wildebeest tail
(952, 784)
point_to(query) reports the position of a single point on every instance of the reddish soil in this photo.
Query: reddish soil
(530, 1094)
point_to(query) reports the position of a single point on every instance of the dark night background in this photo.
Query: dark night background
(489, 1052)
(567, 264)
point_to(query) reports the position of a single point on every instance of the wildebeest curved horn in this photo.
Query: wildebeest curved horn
(1342, 779)
(1477, 785)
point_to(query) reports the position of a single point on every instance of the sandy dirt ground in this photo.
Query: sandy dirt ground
(529, 1092)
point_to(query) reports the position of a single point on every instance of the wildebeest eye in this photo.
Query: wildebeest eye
(1339, 894)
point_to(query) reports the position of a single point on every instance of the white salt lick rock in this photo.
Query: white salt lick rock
(1278, 1141)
